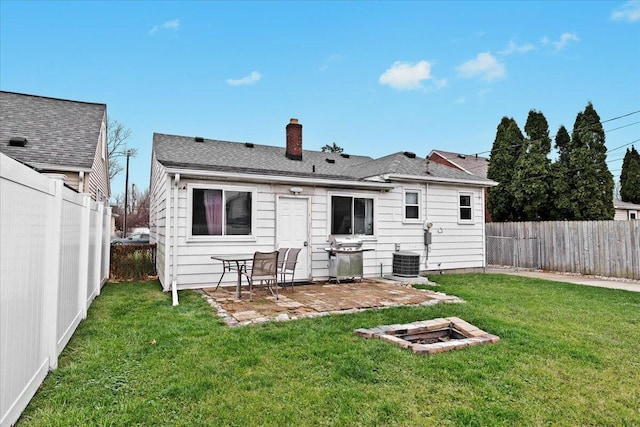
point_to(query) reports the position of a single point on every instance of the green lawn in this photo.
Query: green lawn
(568, 355)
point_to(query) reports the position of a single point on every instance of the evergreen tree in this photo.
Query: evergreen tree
(335, 148)
(591, 181)
(504, 154)
(532, 181)
(560, 185)
(630, 177)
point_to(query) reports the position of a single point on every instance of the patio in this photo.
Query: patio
(319, 299)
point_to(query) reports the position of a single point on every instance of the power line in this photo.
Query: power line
(571, 132)
(624, 145)
(468, 169)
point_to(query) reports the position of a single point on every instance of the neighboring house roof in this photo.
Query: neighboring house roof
(60, 133)
(212, 155)
(619, 204)
(473, 164)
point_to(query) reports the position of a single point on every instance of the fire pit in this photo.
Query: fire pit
(431, 336)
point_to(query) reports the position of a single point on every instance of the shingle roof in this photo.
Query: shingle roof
(474, 164)
(185, 152)
(59, 132)
(619, 204)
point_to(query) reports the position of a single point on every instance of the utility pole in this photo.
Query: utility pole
(126, 196)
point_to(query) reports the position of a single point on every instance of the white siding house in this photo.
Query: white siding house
(58, 136)
(269, 197)
(625, 210)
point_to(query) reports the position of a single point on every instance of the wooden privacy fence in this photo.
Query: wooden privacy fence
(601, 248)
(55, 257)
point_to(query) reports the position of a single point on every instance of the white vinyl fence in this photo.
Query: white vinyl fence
(54, 258)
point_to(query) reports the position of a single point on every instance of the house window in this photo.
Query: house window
(221, 212)
(633, 215)
(412, 205)
(351, 215)
(464, 207)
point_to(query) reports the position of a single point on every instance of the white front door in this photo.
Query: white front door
(293, 231)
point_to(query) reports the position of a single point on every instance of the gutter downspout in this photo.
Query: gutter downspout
(174, 241)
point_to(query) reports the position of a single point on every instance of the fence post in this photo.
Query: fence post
(106, 247)
(98, 252)
(83, 262)
(52, 269)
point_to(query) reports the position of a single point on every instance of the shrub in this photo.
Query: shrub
(133, 262)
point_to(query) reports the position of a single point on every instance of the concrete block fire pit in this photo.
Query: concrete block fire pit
(431, 336)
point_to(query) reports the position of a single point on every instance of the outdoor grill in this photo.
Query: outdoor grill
(345, 258)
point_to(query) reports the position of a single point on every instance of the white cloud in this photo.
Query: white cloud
(630, 12)
(173, 25)
(512, 48)
(485, 66)
(406, 76)
(248, 80)
(331, 60)
(439, 84)
(564, 40)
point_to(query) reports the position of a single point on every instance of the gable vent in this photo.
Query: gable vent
(346, 156)
(199, 139)
(331, 161)
(410, 155)
(248, 144)
(17, 141)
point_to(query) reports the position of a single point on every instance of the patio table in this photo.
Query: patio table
(234, 263)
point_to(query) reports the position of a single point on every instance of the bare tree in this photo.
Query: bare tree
(139, 208)
(117, 135)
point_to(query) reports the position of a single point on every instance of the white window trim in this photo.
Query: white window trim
(404, 205)
(635, 213)
(465, 221)
(222, 238)
(364, 237)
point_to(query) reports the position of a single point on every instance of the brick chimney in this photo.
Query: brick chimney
(294, 140)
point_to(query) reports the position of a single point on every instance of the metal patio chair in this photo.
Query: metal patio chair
(282, 253)
(264, 269)
(289, 267)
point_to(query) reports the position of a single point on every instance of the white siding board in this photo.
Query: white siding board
(454, 244)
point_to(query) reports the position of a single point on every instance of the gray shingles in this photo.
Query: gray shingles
(59, 132)
(185, 152)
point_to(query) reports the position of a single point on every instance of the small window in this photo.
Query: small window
(217, 212)
(412, 205)
(351, 215)
(633, 215)
(465, 208)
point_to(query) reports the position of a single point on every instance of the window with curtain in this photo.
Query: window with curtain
(218, 212)
(351, 215)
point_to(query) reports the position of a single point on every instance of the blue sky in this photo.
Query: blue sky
(373, 77)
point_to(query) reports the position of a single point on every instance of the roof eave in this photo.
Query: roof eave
(55, 167)
(427, 178)
(318, 182)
